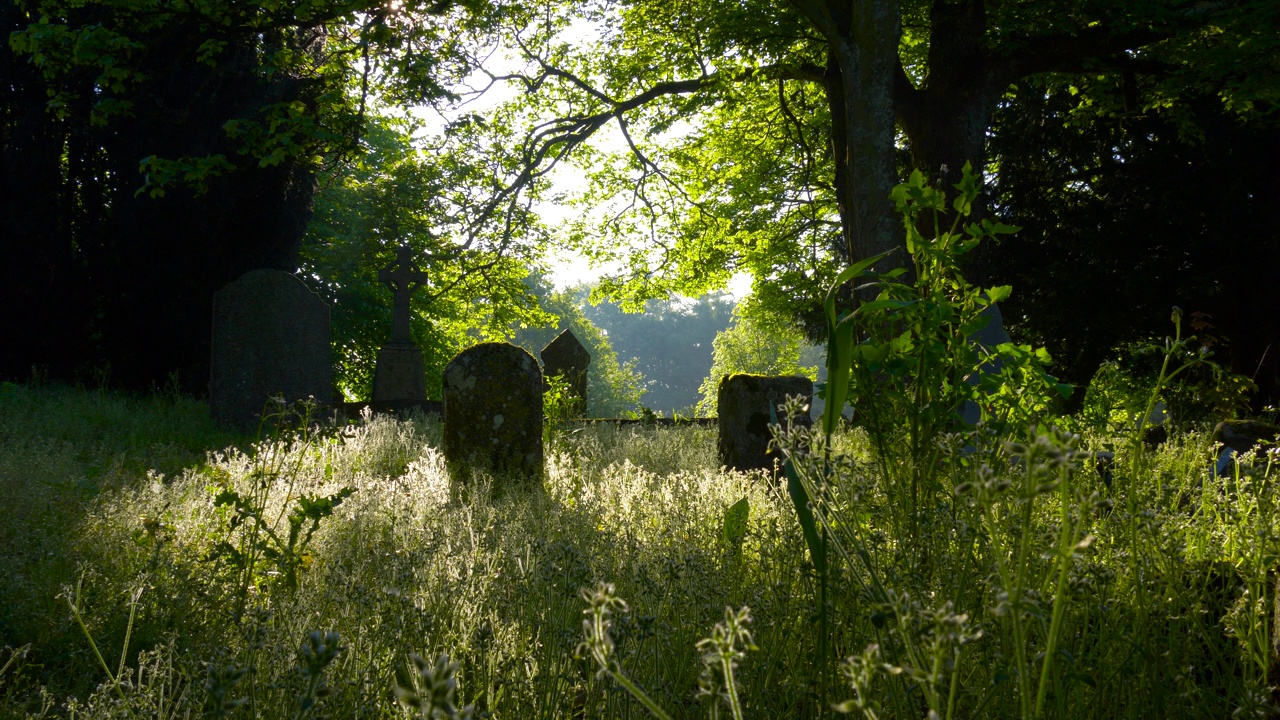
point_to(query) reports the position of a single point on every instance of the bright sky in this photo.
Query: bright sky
(567, 268)
(570, 268)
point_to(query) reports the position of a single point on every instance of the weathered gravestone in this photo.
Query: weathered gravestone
(744, 402)
(493, 412)
(1240, 436)
(990, 336)
(270, 337)
(565, 356)
(400, 377)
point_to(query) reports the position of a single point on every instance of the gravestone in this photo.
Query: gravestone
(744, 402)
(493, 412)
(988, 338)
(270, 337)
(1239, 437)
(400, 377)
(565, 356)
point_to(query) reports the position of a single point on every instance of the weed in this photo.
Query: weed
(1028, 589)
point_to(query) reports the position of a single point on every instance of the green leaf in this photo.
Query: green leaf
(849, 273)
(999, 293)
(804, 513)
(974, 324)
(735, 521)
(877, 305)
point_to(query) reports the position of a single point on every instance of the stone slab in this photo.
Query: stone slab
(270, 337)
(493, 412)
(400, 377)
(743, 421)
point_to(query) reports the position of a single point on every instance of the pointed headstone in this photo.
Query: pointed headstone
(400, 377)
(565, 356)
(270, 338)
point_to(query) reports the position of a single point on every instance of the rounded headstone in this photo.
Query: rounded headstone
(743, 420)
(493, 411)
(270, 338)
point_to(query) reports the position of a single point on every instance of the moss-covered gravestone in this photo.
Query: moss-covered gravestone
(493, 412)
(270, 337)
(744, 402)
(565, 356)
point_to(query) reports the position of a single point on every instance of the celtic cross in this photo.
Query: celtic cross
(402, 278)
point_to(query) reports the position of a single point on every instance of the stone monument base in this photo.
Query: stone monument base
(400, 376)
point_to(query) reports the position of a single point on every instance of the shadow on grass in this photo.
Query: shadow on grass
(61, 449)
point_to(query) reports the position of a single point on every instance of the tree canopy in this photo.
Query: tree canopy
(154, 151)
(756, 346)
(766, 137)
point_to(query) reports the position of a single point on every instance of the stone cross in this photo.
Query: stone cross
(402, 278)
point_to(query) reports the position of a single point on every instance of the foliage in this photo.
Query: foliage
(614, 388)
(756, 345)
(261, 540)
(1130, 210)
(398, 193)
(1196, 392)
(431, 691)
(155, 152)
(911, 360)
(671, 343)
(905, 357)
(717, 140)
(560, 405)
(1163, 612)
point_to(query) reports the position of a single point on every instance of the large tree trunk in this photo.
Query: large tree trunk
(946, 120)
(862, 57)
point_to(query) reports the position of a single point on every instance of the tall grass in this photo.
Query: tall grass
(1029, 587)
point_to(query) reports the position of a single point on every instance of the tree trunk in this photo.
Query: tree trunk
(946, 120)
(862, 57)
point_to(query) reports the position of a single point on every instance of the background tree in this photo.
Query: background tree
(761, 137)
(754, 345)
(395, 194)
(670, 343)
(154, 151)
(614, 388)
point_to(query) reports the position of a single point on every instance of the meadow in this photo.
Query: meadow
(151, 566)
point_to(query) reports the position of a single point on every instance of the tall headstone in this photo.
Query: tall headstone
(565, 356)
(991, 335)
(400, 377)
(493, 412)
(270, 337)
(744, 402)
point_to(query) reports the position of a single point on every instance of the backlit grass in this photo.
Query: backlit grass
(111, 509)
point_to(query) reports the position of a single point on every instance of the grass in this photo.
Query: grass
(121, 596)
